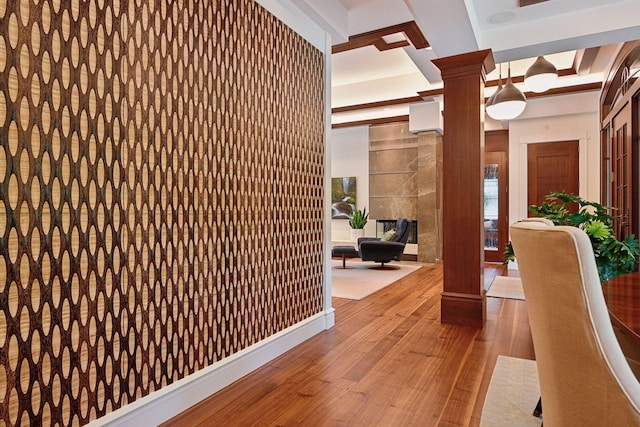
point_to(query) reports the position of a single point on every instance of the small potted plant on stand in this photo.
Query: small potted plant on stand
(357, 221)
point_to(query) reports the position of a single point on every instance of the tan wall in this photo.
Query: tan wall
(161, 196)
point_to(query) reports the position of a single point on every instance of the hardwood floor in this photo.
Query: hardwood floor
(387, 362)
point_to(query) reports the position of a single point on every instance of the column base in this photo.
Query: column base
(463, 309)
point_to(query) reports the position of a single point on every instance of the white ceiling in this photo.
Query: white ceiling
(558, 29)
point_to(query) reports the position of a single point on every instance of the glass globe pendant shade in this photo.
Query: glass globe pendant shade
(540, 76)
(508, 103)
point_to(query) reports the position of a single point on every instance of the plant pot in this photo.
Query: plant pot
(356, 233)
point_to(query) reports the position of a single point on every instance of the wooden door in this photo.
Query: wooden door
(552, 166)
(496, 202)
(622, 177)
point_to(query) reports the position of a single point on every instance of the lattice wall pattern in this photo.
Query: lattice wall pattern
(161, 195)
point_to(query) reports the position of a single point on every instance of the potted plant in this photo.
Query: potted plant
(357, 221)
(613, 257)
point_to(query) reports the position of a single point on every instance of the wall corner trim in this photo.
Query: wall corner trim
(169, 401)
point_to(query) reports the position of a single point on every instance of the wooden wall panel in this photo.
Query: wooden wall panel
(161, 196)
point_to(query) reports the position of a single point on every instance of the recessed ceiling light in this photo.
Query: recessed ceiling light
(501, 17)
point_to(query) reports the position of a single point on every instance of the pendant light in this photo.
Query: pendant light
(489, 105)
(540, 76)
(509, 102)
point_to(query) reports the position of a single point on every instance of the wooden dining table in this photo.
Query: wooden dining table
(622, 295)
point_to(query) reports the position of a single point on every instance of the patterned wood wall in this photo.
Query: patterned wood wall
(161, 195)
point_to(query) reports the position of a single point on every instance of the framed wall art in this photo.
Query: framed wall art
(343, 197)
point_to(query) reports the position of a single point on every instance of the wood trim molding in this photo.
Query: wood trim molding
(565, 90)
(378, 121)
(382, 45)
(425, 95)
(611, 82)
(375, 38)
(523, 3)
(377, 104)
(515, 79)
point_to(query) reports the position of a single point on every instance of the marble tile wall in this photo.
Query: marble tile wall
(429, 196)
(405, 181)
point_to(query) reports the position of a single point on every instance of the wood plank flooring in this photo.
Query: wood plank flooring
(387, 362)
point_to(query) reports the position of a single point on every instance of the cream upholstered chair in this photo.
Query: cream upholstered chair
(584, 377)
(539, 219)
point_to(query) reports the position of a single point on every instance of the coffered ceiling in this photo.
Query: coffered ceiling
(578, 36)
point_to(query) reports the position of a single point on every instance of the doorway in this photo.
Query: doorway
(552, 166)
(495, 205)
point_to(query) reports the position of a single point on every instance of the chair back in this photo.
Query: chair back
(403, 229)
(585, 379)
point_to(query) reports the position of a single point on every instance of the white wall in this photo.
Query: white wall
(560, 118)
(350, 157)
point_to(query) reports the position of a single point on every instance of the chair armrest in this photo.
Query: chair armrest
(368, 239)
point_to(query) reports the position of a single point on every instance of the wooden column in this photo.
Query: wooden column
(463, 301)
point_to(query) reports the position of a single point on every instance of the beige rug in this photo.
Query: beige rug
(512, 395)
(506, 287)
(360, 279)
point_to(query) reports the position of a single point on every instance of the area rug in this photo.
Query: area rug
(512, 395)
(506, 287)
(360, 279)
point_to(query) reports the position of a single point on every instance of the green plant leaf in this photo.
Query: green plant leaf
(508, 254)
(598, 230)
(613, 257)
(358, 219)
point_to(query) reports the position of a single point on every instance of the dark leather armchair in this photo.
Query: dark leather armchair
(374, 249)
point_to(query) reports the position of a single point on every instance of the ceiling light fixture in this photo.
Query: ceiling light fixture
(508, 102)
(540, 76)
(488, 106)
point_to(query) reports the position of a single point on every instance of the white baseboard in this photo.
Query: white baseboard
(169, 401)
